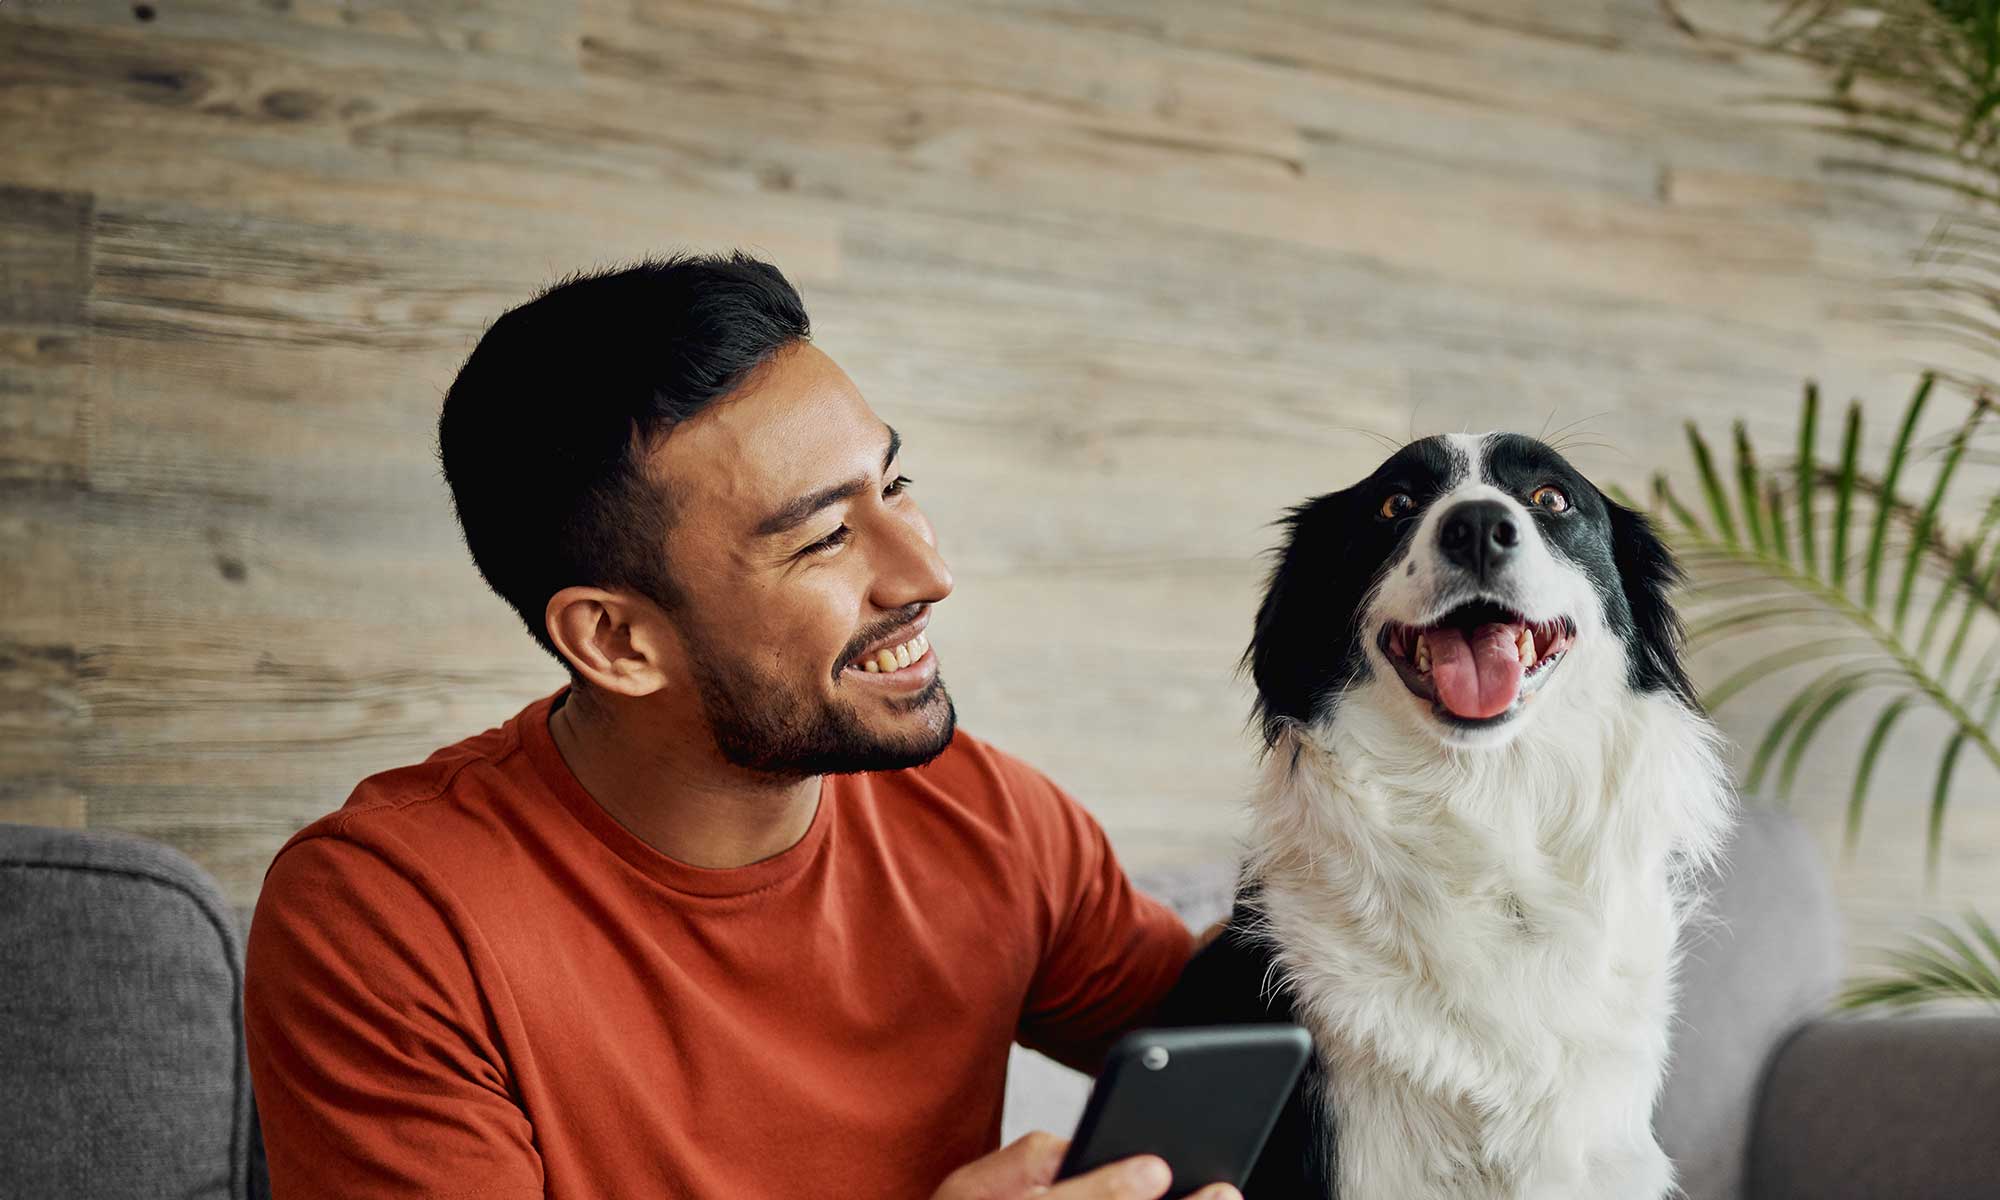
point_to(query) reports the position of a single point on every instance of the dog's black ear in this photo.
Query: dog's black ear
(1648, 574)
(1303, 644)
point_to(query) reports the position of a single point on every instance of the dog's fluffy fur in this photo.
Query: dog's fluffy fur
(1476, 919)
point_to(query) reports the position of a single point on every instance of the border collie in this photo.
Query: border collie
(1488, 795)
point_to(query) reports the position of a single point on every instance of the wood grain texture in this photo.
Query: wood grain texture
(1131, 277)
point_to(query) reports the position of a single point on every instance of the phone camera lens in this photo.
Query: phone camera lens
(1154, 1058)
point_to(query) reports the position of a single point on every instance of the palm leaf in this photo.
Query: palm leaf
(1956, 647)
(1953, 586)
(1808, 438)
(1774, 512)
(1711, 484)
(1749, 616)
(1920, 536)
(1828, 702)
(1965, 579)
(1877, 736)
(1831, 683)
(1753, 585)
(1715, 697)
(1747, 489)
(1938, 965)
(1850, 461)
(1974, 967)
(1940, 793)
(1680, 511)
(1885, 502)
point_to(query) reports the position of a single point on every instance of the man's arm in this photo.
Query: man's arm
(1111, 952)
(372, 1051)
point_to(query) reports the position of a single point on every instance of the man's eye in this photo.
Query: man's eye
(898, 486)
(831, 541)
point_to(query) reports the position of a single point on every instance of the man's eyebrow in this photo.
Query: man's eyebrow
(796, 513)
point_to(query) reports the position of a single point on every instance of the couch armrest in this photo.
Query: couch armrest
(1896, 1107)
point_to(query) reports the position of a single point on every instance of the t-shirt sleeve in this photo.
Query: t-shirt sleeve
(1110, 952)
(373, 1062)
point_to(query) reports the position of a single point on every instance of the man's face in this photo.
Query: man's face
(799, 551)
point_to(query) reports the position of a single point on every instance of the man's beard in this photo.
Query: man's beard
(764, 725)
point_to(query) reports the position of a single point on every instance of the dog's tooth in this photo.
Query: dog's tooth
(1423, 654)
(1527, 646)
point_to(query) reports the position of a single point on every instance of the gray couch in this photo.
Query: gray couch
(122, 1060)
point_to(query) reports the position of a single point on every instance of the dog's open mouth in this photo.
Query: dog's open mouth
(1479, 661)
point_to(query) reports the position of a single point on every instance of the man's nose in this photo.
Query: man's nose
(1479, 536)
(917, 574)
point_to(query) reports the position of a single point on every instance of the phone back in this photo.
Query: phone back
(1204, 1099)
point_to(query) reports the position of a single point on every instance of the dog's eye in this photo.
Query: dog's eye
(1550, 497)
(1396, 505)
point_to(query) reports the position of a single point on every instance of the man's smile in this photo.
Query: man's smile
(904, 657)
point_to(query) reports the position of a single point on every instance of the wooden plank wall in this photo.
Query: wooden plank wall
(1131, 276)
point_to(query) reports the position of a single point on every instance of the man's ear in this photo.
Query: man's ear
(614, 641)
(1648, 574)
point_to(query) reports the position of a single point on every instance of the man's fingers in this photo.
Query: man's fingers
(1027, 1167)
(1143, 1178)
(1020, 1168)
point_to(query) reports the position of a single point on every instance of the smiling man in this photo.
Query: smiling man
(737, 912)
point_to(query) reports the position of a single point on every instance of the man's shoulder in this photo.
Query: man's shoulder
(402, 808)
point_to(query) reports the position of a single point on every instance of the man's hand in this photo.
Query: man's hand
(1028, 1168)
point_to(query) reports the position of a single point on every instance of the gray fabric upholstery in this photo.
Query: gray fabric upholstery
(1766, 958)
(120, 1027)
(1882, 1109)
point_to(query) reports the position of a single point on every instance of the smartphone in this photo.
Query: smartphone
(1203, 1098)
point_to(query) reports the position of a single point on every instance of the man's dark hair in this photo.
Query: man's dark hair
(546, 430)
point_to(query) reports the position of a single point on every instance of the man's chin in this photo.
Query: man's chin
(921, 729)
(928, 724)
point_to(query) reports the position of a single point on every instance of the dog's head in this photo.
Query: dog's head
(1470, 580)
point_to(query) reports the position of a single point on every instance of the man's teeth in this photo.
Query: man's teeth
(897, 657)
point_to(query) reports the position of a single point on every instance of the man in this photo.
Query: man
(736, 912)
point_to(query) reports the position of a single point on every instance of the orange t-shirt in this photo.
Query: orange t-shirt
(472, 981)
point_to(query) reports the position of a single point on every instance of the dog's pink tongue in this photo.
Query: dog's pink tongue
(1477, 678)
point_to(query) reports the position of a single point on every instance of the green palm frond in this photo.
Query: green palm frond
(1885, 500)
(1848, 605)
(1932, 67)
(1914, 87)
(1938, 965)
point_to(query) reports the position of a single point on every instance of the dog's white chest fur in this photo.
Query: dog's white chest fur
(1483, 943)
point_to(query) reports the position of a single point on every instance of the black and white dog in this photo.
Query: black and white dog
(1487, 798)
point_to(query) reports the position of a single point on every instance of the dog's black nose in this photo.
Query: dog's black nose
(1478, 535)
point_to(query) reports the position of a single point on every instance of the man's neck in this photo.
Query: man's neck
(677, 795)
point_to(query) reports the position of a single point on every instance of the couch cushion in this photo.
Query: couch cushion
(1888, 1107)
(1766, 957)
(120, 983)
